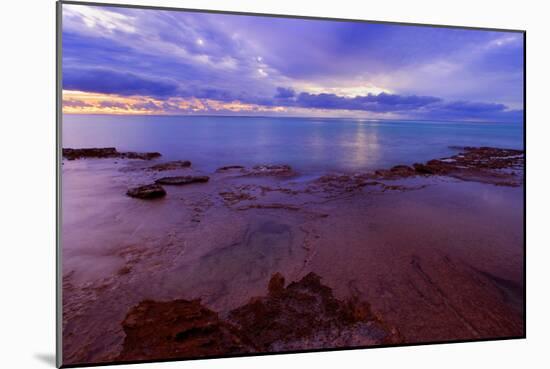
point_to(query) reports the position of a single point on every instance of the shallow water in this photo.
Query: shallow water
(311, 145)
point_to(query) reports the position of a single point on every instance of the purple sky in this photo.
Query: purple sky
(167, 62)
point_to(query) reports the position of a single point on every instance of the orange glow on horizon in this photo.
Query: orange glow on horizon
(79, 102)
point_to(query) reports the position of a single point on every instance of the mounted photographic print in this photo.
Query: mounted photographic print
(237, 184)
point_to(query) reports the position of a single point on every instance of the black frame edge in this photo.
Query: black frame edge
(58, 128)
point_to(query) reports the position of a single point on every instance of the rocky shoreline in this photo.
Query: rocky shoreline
(483, 164)
(501, 167)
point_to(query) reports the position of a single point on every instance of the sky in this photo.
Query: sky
(143, 61)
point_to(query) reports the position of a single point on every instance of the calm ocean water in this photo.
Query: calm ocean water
(311, 145)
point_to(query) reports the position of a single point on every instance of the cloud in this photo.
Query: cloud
(285, 93)
(305, 65)
(98, 19)
(473, 107)
(76, 104)
(420, 107)
(382, 102)
(387, 101)
(113, 82)
(113, 104)
(467, 110)
(148, 105)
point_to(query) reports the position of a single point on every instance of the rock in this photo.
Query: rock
(151, 191)
(272, 170)
(124, 270)
(229, 167)
(140, 155)
(176, 329)
(270, 206)
(171, 165)
(481, 164)
(490, 157)
(398, 171)
(276, 284)
(500, 167)
(402, 169)
(423, 169)
(182, 180)
(231, 198)
(106, 152)
(339, 184)
(304, 315)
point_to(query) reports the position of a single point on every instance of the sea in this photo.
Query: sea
(309, 145)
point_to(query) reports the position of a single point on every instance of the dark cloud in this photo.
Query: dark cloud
(284, 93)
(375, 103)
(421, 107)
(113, 82)
(473, 107)
(398, 102)
(212, 93)
(466, 110)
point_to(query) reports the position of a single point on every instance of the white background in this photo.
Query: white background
(27, 186)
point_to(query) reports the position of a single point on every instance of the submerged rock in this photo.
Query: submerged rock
(272, 170)
(342, 183)
(171, 165)
(260, 170)
(140, 155)
(401, 169)
(182, 180)
(106, 152)
(234, 197)
(150, 191)
(229, 167)
(432, 168)
(304, 315)
(398, 171)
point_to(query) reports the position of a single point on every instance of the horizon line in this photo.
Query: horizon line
(299, 117)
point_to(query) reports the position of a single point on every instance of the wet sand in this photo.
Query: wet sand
(437, 257)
